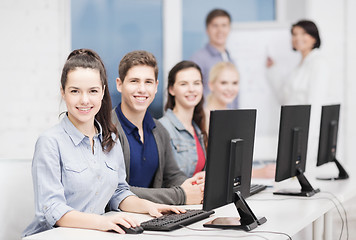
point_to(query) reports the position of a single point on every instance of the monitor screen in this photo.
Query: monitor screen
(231, 136)
(329, 126)
(292, 147)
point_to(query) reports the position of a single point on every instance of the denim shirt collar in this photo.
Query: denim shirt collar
(178, 124)
(75, 134)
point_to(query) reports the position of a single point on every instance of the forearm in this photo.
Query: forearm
(135, 204)
(76, 219)
(171, 196)
(138, 205)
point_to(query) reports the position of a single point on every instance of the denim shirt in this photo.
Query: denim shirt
(182, 142)
(68, 175)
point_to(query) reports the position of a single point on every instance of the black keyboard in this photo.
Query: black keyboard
(256, 188)
(173, 221)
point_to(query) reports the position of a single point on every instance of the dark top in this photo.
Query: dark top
(143, 156)
(167, 179)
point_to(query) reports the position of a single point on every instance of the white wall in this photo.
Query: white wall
(336, 20)
(350, 74)
(35, 40)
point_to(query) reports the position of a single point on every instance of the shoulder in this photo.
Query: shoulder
(53, 133)
(160, 130)
(169, 119)
(200, 55)
(159, 126)
(317, 57)
(50, 139)
(164, 121)
(114, 118)
(116, 122)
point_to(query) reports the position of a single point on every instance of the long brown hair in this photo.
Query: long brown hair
(199, 114)
(86, 58)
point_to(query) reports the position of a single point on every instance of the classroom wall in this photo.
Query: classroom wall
(338, 32)
(35, 39)
(350, 75)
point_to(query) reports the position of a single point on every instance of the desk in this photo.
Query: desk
(284, 214)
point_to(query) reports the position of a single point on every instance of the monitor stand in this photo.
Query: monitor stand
(342, 172)
(306, 191)
(247, 221)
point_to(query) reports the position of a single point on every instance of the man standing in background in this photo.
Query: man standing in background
(218, 25)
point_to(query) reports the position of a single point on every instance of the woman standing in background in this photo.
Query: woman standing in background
(308, 83)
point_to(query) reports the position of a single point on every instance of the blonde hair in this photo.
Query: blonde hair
(217, 69)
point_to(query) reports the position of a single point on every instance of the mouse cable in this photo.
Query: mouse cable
(206, 230)
(309, 199)
(343, 208)
(274, 232)
(271, 232)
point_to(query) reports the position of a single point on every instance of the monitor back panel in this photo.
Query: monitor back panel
(329, 114)
(292, 117)
(226, 125)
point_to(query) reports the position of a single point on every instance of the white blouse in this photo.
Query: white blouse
(308, 83)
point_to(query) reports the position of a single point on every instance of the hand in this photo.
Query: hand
(194, 192)
(109, 222)
(200, 177)
(156, 209)
(269, 62)
(267, 171)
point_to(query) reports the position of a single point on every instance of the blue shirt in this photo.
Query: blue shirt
(206, 58)
(182, 142)
(143, 156)
(67, 176)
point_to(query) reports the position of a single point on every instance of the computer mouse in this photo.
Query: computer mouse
(131, 230)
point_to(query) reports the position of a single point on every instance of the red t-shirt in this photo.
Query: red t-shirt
(201, 156)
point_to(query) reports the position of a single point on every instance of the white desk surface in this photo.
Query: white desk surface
(285, 214)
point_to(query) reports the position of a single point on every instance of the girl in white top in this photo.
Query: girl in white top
(308, 83)
(78, 166)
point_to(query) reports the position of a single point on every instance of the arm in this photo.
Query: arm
(172, 176)
(78, 219)
(109, 222)
(138, 205)
(276, 80)
(173, 195)
(50, 201)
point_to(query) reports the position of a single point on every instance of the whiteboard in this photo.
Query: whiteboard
(249, 47)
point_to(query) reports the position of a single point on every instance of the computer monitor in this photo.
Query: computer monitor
(329, 126)
(292, 148)
(229, 164)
